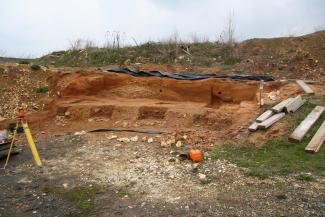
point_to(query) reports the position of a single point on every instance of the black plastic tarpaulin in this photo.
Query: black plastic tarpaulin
(189, 75)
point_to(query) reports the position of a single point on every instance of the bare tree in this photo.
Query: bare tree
(80, 44)
(76, 44)
(195, 38)
(228, 34)
(114, 39)
(89, 44)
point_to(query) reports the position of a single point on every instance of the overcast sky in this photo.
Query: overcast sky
(36, 27)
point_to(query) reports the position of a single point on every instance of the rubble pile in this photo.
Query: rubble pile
(19, 84)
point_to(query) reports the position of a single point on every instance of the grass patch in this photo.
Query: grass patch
(202, 54)
(35, 67)
(172, 160)
(82, 197)
(278, 156)
(205, 182)
(307, 178)
(122, 193)
(281, 196)
(42, 89)
(231, 61)
(257, 173)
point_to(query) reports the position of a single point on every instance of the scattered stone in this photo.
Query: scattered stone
(150, 140)
(24, 180)
(144, 139)
(179, 144)
(80, 133)
(112, 137)
(123, 139)
(163, 143)
(134, 139)
(195, 165)
(171, 141)
(272, 96)
(202, 177)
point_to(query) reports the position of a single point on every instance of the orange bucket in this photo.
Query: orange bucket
(195, 155)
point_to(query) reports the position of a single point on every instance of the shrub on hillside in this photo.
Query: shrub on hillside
(35, 67)
(231, 61)
(23, 62)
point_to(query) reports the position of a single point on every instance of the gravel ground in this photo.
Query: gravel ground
(138, 178)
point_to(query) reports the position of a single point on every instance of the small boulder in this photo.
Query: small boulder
(202, 177)
(134, 139)
(80, 133)
(179, 144)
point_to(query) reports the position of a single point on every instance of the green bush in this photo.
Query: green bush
(35, 67)
(23, 62)
(231, 61)
(42, 89)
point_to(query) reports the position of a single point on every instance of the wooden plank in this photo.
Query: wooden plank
(299, 133)
(294, 104)
(269, 122)
(279, 107)
(264, 116)
(253, 127)
(317, 141)
(305, 87)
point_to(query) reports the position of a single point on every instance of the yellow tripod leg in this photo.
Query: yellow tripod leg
(31, 144)
(11, 145)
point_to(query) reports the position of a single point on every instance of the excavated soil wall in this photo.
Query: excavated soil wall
(114, 86)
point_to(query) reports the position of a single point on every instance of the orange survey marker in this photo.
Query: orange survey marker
(22, 121)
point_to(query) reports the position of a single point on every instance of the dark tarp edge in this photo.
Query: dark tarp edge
(189, 75)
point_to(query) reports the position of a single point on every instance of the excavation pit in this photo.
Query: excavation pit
(123, 99)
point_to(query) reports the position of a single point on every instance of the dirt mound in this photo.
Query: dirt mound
(19, 83)
(287, 57)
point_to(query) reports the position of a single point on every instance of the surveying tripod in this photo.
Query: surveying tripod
(21, 122)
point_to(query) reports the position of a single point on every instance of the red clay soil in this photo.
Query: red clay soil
(112, 85)
(220, 109)
(209, 111)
